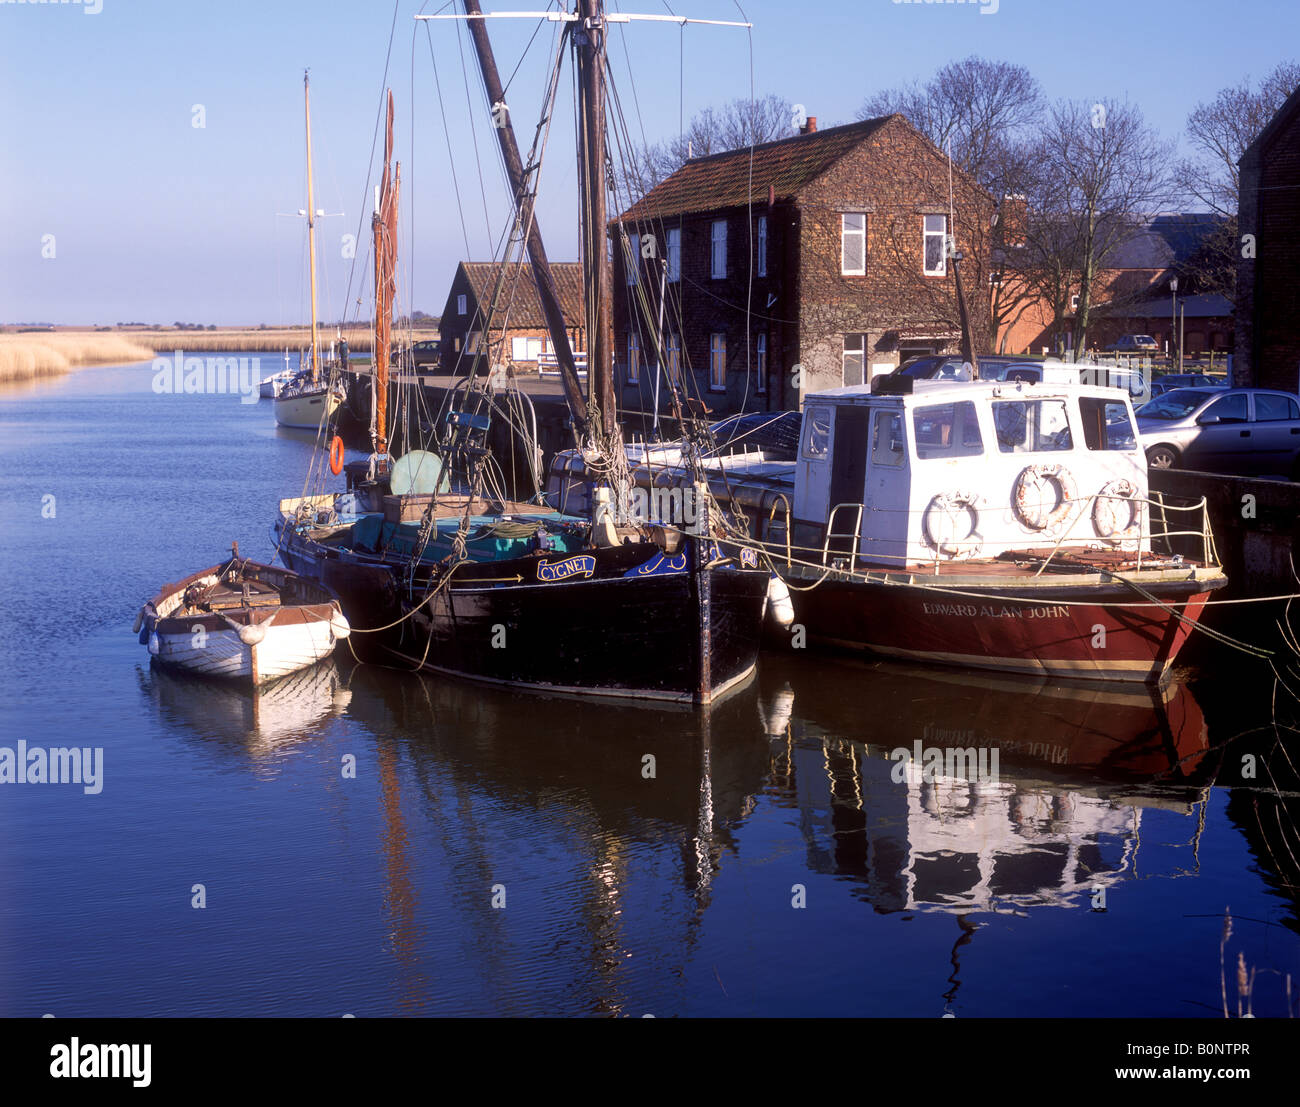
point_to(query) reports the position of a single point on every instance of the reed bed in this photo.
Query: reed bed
(267, 341)
(30, 356)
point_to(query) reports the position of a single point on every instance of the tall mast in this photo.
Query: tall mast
(589, 37)
(384, 225)
(546, 290)
(311, 232)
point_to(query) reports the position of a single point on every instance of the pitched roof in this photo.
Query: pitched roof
(1265, 138)
(1203, 305)
(519, 294)
(733, 178)
(1163, 240)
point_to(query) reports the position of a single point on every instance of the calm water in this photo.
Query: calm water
(623, 895)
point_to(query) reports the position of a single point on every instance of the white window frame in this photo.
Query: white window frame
(718, 346)
(845, 235)
(462, 308)
(633, 260)
(718, 250)
(762, 245)
(633, 358)
(760, 360)
(674, 254)
(942, 235)
(861, 352)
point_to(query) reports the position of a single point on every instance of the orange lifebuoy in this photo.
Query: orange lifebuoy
(336, 456)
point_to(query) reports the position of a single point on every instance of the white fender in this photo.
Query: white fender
(155, 647)
(252, 634)
(779, 604)
(339, 626)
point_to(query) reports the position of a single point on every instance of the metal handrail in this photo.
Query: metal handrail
(831, 533)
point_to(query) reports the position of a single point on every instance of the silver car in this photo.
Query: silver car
(1241, 431)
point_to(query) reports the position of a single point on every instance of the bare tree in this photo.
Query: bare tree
(1099, 170)
(1220, 131)
(983, 108)
(712, 131)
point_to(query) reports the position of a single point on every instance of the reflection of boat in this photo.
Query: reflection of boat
(259, 720)
(242, 620)
(902, 797)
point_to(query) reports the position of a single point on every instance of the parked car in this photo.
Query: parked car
(1242, 431)
(1134, 344)
(1170, 381)
(425, 352)
(948, 367)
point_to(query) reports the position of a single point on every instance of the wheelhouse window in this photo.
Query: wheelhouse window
(719, 243)
(633, 359)
(718, 362)
(853, 244)
(674, 254)
(855, 358)
(1107, 425)
(760, 360)
(816, 432)
(887, 440)
(936, 235)
(947, 430)
(1032, 426)
(761, 260)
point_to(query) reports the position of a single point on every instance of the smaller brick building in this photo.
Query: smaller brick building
(518, 335)
(1268, 272)
(804, 264)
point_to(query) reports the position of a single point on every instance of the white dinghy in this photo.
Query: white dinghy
(242, 620)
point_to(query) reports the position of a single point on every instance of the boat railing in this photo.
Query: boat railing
(770, 526)
(831, 533)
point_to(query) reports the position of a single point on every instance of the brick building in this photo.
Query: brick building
(1268, 280)
(822, 252)
(1130, 292)
(518, 332)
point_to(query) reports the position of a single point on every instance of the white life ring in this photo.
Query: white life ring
(943, 524)
(1034, 476)
(1106, 513)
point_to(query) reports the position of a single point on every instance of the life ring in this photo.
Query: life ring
(942, 524)
(1034, 476)
(1106, 513)
(336, 456)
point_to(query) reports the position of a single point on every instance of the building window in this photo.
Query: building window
(853, 244)
(633, 359)
(855, 358)
(762, 245)
(674, 358)
(1074, 303)
(633, 258)
(936, 234)
(718, 362)
(471, 343)
(460, 304)
(760, 360)
(523, 348)
(719, 249)
(675, 254)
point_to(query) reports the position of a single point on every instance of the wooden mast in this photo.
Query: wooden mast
(311, 232)
(384, 227)
(545, 281)
(590, 40)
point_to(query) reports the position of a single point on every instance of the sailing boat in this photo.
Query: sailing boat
(469, 583)
(305, 400)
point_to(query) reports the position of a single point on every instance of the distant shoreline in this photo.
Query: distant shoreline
(29, 354)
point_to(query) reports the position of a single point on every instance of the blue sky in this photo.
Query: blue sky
(155, 219)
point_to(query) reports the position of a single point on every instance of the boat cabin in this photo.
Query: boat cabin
(929, 471)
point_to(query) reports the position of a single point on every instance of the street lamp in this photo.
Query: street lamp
(1173, 315)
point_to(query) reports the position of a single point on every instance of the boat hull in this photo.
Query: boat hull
(1084, 631)
(294, 639)
(685, 636)
(306, 410)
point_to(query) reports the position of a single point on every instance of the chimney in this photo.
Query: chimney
(809, 127)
